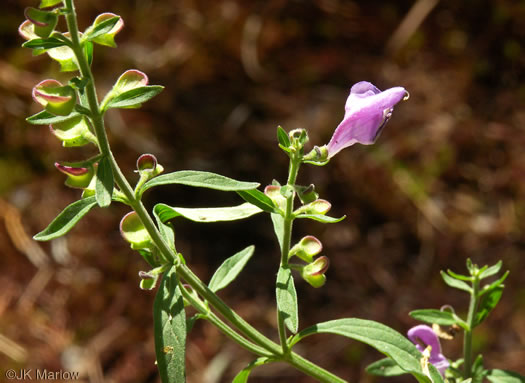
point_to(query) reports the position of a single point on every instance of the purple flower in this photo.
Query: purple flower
(423, 336)
(367, 110)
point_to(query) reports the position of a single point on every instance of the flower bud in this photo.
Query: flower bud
(274, 193)
(147, 165)
(133, 231)
(307, 248)
(313, 273)
(108, 38)
(317, 156)
(73, 132)
(319, 206)
(44, 21)
(77, 177)
(55, 97)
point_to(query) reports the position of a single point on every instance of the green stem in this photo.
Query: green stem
(261, 342)
(295, 162)
(467, 339)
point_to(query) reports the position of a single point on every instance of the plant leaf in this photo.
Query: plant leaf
(66, 219)
(282, 137)
(287, 298)
(487, 304)
(504, 376)
(166, 231)
(278, 227)
(229, 269)
(455, 283)
(104, 183)
(259, 199)
(321, 218)
(488, 288)
(382, 338)
(170, 329)
(444, 318)
(385, 367)
(135, 97)
(242, 376)
(213, 214)
(200, 179)
(492, 270)
(102, 28)
(46, 118)
(47, 43)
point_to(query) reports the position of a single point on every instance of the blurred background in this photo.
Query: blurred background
(445, 181)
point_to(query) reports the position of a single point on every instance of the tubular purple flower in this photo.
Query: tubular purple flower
(367, 110)
(423, 336)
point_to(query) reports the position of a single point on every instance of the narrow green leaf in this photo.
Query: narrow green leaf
(104, 182)
(230, 268)
(242, 376)
(49, 3)
(385, 367)
(166, 231)
(504, 376)
(492, 270)
(134, 97)
(455, 283)
(287, 298)
(488, 288)
(47, 43)
(66, 219)
(443, 318)
(200, 179)
(487, 304)
(46, 118)
(460, 276)
(282, 137)
(382, 338)
(259, 199)
(321, 218)
(214, 214)
(278, 227)
(102, 28)
(169, 321)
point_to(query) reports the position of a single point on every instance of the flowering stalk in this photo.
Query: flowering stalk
(467, 337)
(254, 341)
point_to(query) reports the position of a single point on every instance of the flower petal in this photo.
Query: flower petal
(423, 336)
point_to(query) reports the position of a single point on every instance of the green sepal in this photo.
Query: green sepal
(230, 269)
(134, 232)
(287, 299)
(148, 280)
(104, 183)
(306, 194)
(65, 57)
(169, 319)
(104, 29)
(259, 199)
(66, 220)
(214, 214)
(385, 367)
(73, 131)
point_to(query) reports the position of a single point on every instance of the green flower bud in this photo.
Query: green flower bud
(44, 21)
(77, 177)
(307, 248)
(274, 193)
(73, 132)
(55, 97)
(313, 273)
(133, 231)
